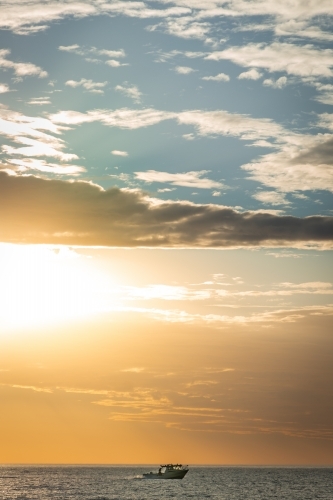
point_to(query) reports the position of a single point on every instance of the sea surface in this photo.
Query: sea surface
(127, 483)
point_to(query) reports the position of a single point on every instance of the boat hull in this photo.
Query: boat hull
(172, 474)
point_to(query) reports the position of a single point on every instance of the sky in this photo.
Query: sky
(166, 231)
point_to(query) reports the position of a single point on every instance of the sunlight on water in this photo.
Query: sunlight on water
(126, 483)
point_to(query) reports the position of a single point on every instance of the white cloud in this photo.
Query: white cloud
(94, 87)
(4, 88)
(20, 69)
(189, 137)
(123, 117)
(39, 101)
(86, 52)
(114, 63)
(30, 132)
(225, 123)
(303, 61)
(271, 197)
(292, 166)
(302, 163)
(325, 93)
(221, 77)
(183, 70)
(70, 48)
(278, 84)
(252, 74)
(182, 18)
(184, 27)
(326, 121)
(26, 164)
(193, 179)
(116, 152)
(110, 53)
(131, 91)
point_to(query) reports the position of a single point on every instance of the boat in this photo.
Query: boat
(168, 471)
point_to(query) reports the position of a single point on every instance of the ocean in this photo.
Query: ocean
(127, 483)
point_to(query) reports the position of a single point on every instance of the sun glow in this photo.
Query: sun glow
(41, 284)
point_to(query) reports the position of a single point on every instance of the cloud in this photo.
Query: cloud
(36, 210)
(20, 69)
(34, 133)
(302, 163)
(206, 122)
(131, 91)
(325, 92)
(25, 164)
(110, 53)
(233, 124)
(284, 290)
(4, 88)
(116, 152)
(301, 28)
(94, 87)
(187, 179)
(87, 52)
(303, 61)
(182, 18)
(252, 74)
(278, 84)
(271, 197)
(166, 292)
(114, 63)
(221, 77)
(70, 48)
(39, 101)
(285, 169)
(184, 27)
(183, 70)
(123, 117)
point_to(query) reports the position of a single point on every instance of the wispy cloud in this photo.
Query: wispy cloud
(271, 197)
(291, 167)
(184, 70)
(192, 179)
(39, 101)
(221, 77)
(303, 61)
(95, 55)
(35, 134)
(20, 69)
(131, 91)
(89, 85)
(166, 292)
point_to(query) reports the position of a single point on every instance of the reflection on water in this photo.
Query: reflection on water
(127, 483)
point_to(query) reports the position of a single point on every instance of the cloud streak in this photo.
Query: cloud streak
(187, 179)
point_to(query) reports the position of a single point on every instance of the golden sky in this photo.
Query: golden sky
(142, 356)
(166, 231)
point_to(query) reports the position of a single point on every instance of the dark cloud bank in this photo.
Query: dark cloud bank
(34, 210)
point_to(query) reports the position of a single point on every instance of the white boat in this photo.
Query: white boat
(169, 471)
